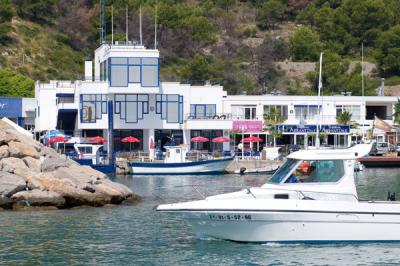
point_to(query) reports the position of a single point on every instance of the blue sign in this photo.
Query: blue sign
(329, 129)
(10, 107)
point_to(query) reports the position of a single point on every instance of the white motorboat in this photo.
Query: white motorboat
(320, 204)
(176, 163)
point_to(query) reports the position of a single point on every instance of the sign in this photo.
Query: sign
(10, 107)
(247, 126)
(328, 129)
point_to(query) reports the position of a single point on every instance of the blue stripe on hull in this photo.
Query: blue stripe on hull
(189, 173)
(174, 165)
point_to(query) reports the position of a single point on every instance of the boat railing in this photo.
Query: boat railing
(203, 192)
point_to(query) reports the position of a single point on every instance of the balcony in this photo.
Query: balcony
(216, 121)
(222, 116)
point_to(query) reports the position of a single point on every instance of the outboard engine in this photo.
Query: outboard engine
(391, 196)
(242, 170)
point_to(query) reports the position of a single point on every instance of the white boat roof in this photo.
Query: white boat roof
(352, 153)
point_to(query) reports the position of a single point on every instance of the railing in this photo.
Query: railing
(222, 116)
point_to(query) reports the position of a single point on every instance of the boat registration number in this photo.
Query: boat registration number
(233, 217)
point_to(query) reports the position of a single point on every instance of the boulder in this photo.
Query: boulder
(10, 184)
(4, 151)
(11, 164)
(48, 152)
(6, 137)
(20, 150)
(39, 198)
(32, 163)
(73, 195)
(53, 163)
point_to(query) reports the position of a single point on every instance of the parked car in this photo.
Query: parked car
(379, 149)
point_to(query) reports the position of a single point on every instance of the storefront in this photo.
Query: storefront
(330, 135)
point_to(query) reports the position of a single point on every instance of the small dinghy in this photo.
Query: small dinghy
(262, 170)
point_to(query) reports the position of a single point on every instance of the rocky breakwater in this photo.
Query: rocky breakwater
(36, 176)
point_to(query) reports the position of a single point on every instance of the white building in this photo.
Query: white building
(122, 95)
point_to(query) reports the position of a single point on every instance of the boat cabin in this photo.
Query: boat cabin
(176, 154)
(330, 171)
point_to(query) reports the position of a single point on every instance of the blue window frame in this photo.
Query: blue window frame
(131, 107)
(203, 110)
(123, 70)
(170, 107)
(92, 107)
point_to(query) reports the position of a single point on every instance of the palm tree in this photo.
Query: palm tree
(344, 118)
(271, 119)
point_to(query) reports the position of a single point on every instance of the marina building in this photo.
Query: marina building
(19, 110)
(122, 95)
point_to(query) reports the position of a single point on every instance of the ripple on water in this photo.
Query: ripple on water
(137, 235)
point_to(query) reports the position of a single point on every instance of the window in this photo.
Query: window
(203, 110)
(354, 110)
(134, 70)
(92, 107)
(306, 111)
(282, 109)
(244, 112)
(131, 107)
(170, 107)
(65, 99)
(309, 171)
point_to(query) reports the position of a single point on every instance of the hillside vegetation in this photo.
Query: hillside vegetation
(252, 47)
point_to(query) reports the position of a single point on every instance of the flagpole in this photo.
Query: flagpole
(317, 144)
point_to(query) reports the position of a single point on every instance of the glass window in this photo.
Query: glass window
(149, 61)
(119, 76)
(119, 61)
(283, 171)
(131, 97)
(120, 97)
(92, 107)
(134, 61)
(134, 74)
(131, 112)
(323, 171)
(173, 112)
(150, 76)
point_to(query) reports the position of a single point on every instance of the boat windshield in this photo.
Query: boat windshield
(283, 171)
(309, 171)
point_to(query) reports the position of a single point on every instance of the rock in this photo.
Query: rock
(33, 164)
(112, 192)
(20, 150)
(11, 164)
(73, 195)
(53, 163)
(10, 184)
(4, 151)
(22, 206)
(39, 198)
(6, 137)
(49, 152)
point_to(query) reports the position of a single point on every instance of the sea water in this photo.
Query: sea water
(137, 235)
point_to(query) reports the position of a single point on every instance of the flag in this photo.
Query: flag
(379, 123)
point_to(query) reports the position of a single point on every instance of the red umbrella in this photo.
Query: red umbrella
(252, 139)
(220, 140)
(131, 140)
(199, 139)
(58, 139)
(98, 139)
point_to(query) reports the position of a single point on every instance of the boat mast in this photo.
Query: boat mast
(317, 142)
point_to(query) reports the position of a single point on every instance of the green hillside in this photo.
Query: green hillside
(248, 46)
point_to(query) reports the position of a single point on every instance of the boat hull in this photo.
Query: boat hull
(201, 167)
(295, 226)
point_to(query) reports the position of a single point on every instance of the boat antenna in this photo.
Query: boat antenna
(102, 21)
(112, 25)
(140, 25)
(155, 27)
(126, 25)
(317, 142)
